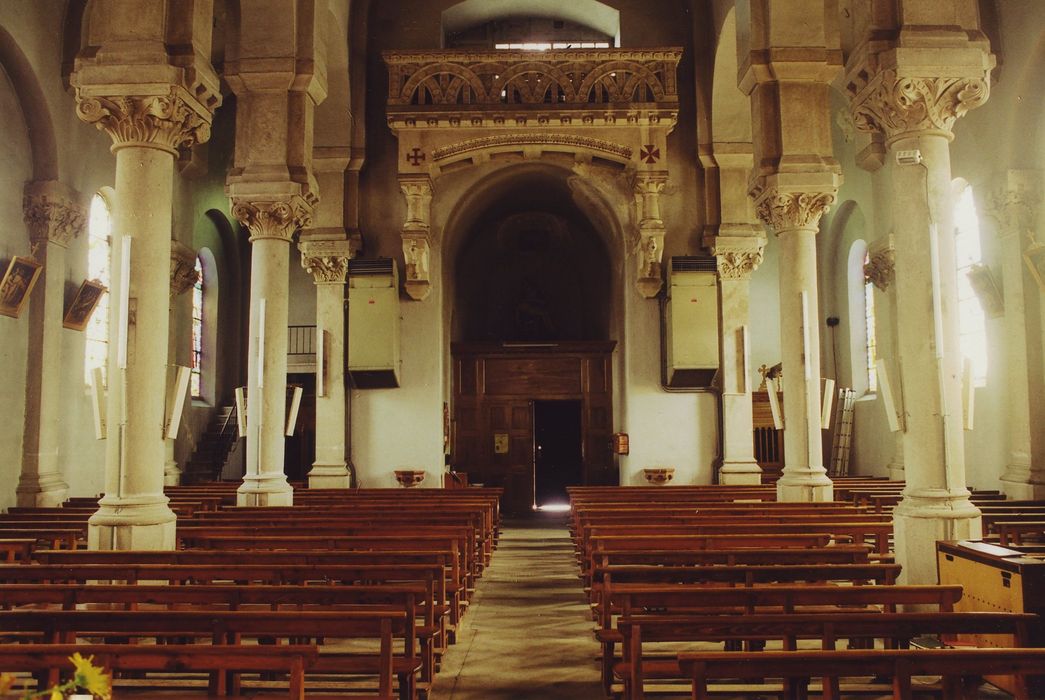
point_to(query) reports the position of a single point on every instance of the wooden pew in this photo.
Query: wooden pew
(900, 664)
(895, 630)
(48, 660)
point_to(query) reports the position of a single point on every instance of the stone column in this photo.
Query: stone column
(904, 93)
(416, 235)
(183, 278)
(738, 257)
(146, 130)
(272, 225)
(54, 216)
(1014, 208)
(794, 215)
(327, 262)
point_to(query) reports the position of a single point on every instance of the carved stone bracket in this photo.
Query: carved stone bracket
(172, 121)
(880, 270)
(738, 256)
(183, 268)
(52, 213)
(416, 236)
(275, 219)
(326, 261)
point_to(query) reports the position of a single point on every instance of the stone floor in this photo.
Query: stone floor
(528, 635)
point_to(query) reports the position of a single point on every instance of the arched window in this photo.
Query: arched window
(972, 322)
(99, 232)
(197, 332)
(870, 341)
(862, 345)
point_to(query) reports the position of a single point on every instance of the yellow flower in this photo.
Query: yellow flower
(90, 677)
(56, 694)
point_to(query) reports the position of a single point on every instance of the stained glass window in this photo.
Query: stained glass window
(197, 331)
(99, 233)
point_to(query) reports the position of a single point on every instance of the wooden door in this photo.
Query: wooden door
(510, 451)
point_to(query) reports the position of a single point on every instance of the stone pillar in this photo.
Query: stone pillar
(738, 257)
(793, 215)
(146, 130)
(1014, 209)
(327, 262)
(54, 216)
(272, 225)
(906, 94)
(183, 278)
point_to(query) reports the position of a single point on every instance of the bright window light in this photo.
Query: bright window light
(553, 507)
(972, 322)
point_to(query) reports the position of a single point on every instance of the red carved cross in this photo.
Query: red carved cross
(415, 157)
(649, 153)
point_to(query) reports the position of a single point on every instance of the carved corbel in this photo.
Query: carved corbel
(183, 269)
(416, 236)
(880, 269)
(648, 189)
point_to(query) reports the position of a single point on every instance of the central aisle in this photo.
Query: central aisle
(528, 634)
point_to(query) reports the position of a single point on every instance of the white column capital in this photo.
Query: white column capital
(276, 219)
(168, 120)
(52, 213)
(326, 261)
(880, 270)
(738, 256)
(785, 209)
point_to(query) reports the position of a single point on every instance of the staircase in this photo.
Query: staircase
(213, 448)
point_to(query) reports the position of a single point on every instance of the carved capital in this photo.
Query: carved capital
(183, 269)
(880, 269)
(648, 189)
(738, 256)
(278, 219)
(326, 261)
(52, 217)
(898, 104)
(787, 210)
(418, 193)
(169, 122)
(417, 254)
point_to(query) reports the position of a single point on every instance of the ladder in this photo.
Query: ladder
(843, 433)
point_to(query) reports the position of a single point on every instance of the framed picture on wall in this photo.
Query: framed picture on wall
(16, 285)
(84, 303)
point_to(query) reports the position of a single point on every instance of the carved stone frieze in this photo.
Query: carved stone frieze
(171, 122)
(787, 210)
(326, 261)
(277, 219)
(183, 268)
(52, 218)
(897, 104)
(616, 150)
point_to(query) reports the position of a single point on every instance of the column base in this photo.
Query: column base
(806, 485)
(1023, 487)
(329, 476)
(171, 474)
(265, 490)
(922, 518)
(740, 474)
(142, 522)
(48, 491)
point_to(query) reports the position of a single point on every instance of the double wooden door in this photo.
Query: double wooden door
(494, 391)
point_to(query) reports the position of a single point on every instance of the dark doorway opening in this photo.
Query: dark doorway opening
(558, 461)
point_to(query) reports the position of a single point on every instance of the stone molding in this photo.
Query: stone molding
(898, 104)
(501, 140)
(326, 261)
(183, 268)
(880, 269)
(275, 220)
(787, 210)
(170, 122)
(52, 217)
(466, 79)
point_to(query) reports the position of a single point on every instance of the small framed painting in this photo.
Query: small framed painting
(16, 285)
(84, 303)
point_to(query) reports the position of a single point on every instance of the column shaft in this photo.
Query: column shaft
(265, 483)
(330, 469)
(804, 477)
(134, 513)
(40, 483)
(738, 449)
